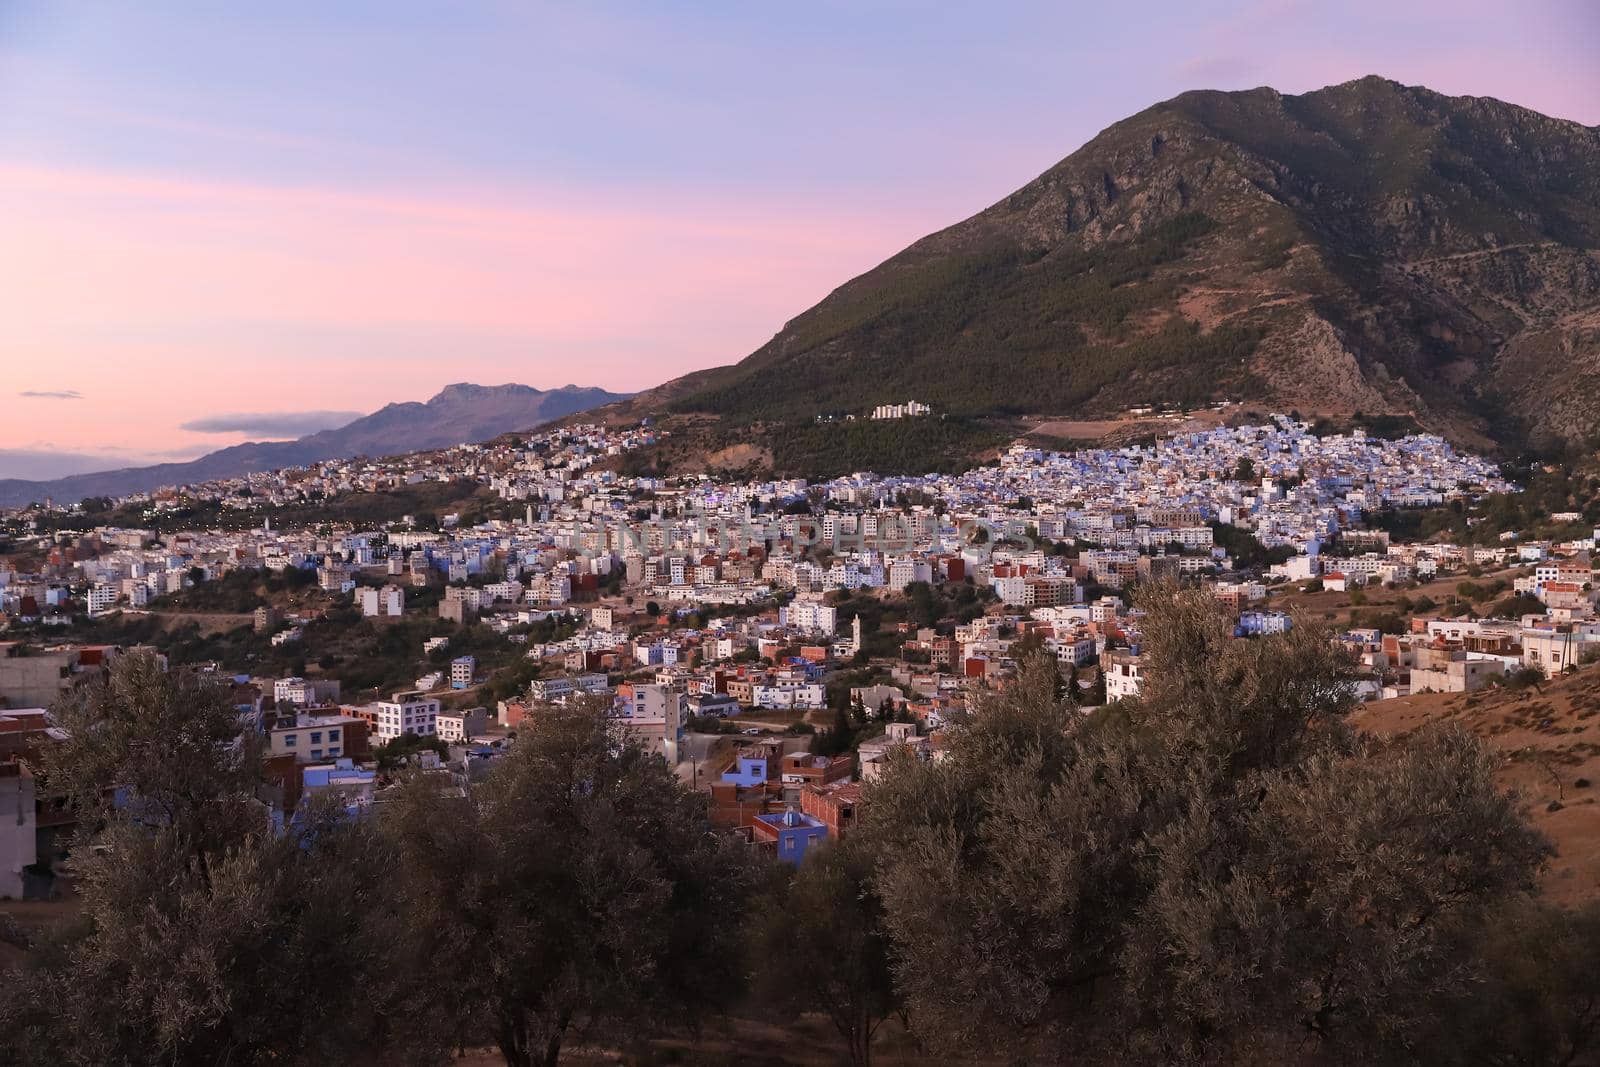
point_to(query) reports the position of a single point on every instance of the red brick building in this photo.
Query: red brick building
(834, 805)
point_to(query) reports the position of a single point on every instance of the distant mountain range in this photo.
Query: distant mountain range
(459, 414)
(1369, 247)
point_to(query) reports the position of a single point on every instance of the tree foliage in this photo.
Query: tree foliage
(820, 946)
(1220, 870)
(575, 893)
(161, 747)
(204, 936)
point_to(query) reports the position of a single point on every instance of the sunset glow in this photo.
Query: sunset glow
(556, 194)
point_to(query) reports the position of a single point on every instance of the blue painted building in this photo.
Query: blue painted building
(789, 834)
(749, 771)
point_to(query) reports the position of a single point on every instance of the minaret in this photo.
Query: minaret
(855, 634)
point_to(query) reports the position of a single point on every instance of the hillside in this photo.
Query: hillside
(458, 414)
(1368, 247)
(1550, 739)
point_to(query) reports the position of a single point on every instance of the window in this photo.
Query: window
(288, 740)
(316, 737)
(316, 753)
(333, 735)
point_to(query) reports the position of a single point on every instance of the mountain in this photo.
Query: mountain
(1366, 248)
(459, 414)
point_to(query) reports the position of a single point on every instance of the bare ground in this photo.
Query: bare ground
(1550, 740)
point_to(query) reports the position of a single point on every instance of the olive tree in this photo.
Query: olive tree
(576, 892)
(820, 945)
(1218, 870)
(205, 934)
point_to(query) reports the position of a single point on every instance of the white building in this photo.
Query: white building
(560, 688)
(390, 600)
(902, 572)
(1552, 651)
(1123, 678)
(100, 598)
(812, 616)
(784, 697)
(299, 692)
(1012, 589)
(654, 715)
(463, 725)
(907, 410)
(407, 713)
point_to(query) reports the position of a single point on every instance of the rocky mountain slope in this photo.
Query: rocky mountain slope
(458, 414)
(1368, 247)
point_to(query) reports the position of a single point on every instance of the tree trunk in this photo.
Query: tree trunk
(858, 1039)
(863, 1053)
(552, 1044)
(514, 1043)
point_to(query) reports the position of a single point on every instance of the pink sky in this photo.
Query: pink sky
(142, 292)
(302, 207)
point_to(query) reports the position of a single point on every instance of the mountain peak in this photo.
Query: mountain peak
(472, 391)
(1368, 246)
(1372, 81)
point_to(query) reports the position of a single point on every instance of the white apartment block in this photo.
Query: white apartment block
(302, 691)
(549, 589)
(508, 591)
(909, 409)
(1552, 651)
(407, 713)
(100, 598)
(458, 726)
(390, 600)
(653, 715)
(1012, 589)
(902, 572)
(811, 695)
(812, 616)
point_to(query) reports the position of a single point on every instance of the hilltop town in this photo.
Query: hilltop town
(773, 640)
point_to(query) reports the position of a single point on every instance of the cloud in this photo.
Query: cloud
(44, 463)
(44, 460)
(52, 394)
(1218, 71)
(272, 423)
